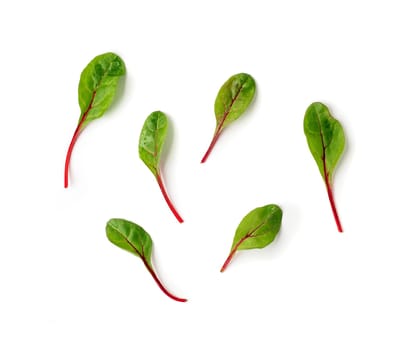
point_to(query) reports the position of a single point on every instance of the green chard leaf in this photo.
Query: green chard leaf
(97, 89)
(325, 138)
(151, 143)
(256, 230)
(232, 100)
(134, 239)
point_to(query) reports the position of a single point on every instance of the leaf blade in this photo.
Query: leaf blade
(261, 225)
(98, 85)
(325, 137)
(233, 98)
(152, 139)
(130, 237)
(256, 230)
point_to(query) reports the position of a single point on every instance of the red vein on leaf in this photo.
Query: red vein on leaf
(234, 250)
(328, 184)
(74, 138)
(218, 129)
(167, 199)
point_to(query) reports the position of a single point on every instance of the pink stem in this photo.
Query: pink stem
(211, 146)
(333, 205)
(160, 285)
(226, 263)
(69, 154)
(74, 138)
(233, 251)
(167, 199)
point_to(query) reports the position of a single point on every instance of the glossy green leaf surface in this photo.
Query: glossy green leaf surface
(130, 237)
(133, 238)
(152, 139)
(98, 84)
(232, 100)
(256, 230)
(325, 138)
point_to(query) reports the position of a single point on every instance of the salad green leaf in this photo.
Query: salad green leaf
(134, 239)
(151, 144)
(256, 230)
(325, 138)
(96, 92)
(232, 100)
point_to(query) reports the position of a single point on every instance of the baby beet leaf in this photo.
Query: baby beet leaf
(97, 89)
(256, 230)
(232, 100)
(151, 143)
(133, 238)
(325, 138)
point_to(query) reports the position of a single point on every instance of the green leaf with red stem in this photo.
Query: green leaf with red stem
(151, 144)
(325, 138)
(232, 100)
(97, 89)
(134, 239)
(256, 230)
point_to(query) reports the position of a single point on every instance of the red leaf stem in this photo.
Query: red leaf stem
(159, 283)
(153, 274)
(211, 146)
(69, 153)
(74, 138)
(333, 204)
(234, 250)
(167, 199)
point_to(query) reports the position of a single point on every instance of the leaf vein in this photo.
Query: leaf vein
(141, 255)
(226, 113)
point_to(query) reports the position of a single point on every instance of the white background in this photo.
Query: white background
(64, 286)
